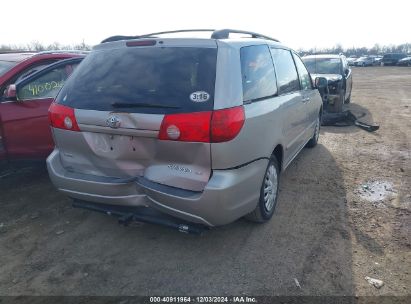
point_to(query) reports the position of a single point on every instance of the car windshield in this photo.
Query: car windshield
(5, 66)
(323, 65)
(145, 80)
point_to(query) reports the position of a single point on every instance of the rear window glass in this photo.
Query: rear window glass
(144, 80)
(5, 66)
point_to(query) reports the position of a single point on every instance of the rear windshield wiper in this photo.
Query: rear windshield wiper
(141, 105)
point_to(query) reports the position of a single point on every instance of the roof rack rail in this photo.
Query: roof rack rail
(121, 37)
(216, 34)
(177, 31)
(225, 33)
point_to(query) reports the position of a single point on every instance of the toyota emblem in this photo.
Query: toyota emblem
(113, 122)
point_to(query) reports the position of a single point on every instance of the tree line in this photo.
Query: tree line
(36, 46)
(377, 49)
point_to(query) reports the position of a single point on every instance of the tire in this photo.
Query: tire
(314, 140)
(268, 194)
(348, 100)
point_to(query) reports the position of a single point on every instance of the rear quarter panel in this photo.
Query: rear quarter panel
(261, 133)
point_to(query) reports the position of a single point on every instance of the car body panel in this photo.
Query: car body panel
(229, 194)
(404, 62)
(364, 61)
(392, 58)
(103, 151)
(26, 128)
(351, 61)
(24, 124)
(204, 182)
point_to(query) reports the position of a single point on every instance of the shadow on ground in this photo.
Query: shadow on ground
(363, 114)
(49, 248)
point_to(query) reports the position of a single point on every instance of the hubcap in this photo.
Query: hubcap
(270, 188)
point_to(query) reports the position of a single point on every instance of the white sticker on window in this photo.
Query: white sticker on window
(199, 96)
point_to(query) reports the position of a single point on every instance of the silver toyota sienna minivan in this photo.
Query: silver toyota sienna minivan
(197, 128)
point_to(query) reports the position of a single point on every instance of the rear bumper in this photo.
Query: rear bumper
(229, 194)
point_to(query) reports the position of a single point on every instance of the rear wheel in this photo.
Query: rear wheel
(268, 194)
(348, 100)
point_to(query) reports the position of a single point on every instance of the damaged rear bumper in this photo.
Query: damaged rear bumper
(229, 194)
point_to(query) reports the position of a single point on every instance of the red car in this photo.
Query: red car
(29, 82)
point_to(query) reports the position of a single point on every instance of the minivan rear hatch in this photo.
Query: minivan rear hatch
(121, 94)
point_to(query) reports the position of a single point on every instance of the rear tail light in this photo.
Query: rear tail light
(211, 126)
(226, 124)
(62, 117)
(186, 127)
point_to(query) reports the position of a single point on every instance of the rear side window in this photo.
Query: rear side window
(5, 66)
(287, 77)
(46, 85)
(258, 73)
(305, 78)
(155, 80)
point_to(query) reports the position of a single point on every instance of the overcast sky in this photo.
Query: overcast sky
(306, 24)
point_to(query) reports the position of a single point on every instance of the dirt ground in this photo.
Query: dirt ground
(343, 214)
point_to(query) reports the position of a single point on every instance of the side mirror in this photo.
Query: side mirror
(346, 72)
(11, 92)
(321, 83)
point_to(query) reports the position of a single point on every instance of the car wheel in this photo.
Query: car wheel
(268, 194)
(348, 100)
(314, 140)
